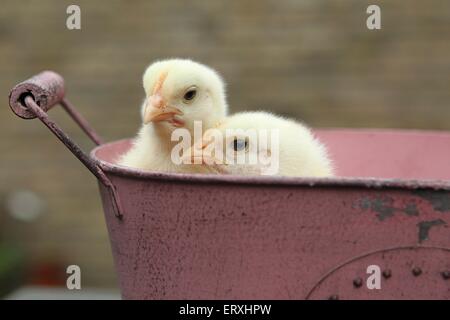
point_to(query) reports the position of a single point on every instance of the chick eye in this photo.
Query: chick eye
(240, 144)
(190, 94)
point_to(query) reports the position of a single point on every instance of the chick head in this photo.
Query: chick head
(260, 143)
(179, 92)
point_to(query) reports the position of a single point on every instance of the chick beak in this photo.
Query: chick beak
(157, 110)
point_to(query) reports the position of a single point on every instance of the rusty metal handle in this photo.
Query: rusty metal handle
(47, 90)
(35, 96)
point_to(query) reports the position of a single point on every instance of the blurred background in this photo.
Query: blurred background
(314, 60)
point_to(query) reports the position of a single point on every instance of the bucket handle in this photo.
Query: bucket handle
(34, 97)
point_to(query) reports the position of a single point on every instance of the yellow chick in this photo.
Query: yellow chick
(178, 92)
(260, 143)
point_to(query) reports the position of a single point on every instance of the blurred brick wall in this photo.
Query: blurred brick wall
(314, 60)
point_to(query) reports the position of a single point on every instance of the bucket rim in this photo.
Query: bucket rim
(361, 182)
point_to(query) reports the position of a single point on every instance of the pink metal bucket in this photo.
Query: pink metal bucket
(180, 236)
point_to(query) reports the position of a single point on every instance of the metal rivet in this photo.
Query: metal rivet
(446, 274)
(387, 273)
(333, 297)
(416, 271)
(357, 282)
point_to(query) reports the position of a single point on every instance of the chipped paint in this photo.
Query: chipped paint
(384, 207)
(425, 226)
(440, 200)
